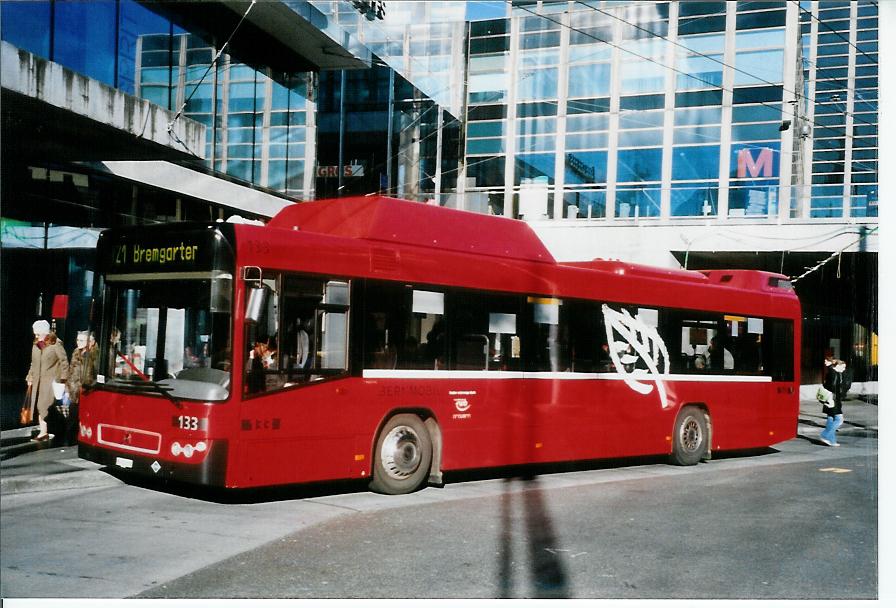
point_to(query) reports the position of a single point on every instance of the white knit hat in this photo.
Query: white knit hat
(41, 327)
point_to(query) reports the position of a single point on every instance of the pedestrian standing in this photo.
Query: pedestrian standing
(837, 380)
(81, 372)
(49, 364)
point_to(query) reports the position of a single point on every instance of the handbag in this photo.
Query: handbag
(26, 414)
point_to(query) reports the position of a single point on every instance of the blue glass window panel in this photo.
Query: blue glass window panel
(239, 71)
(154, 76)
(704, 43)
(279, 119)
(699, 98)
(869, 70)
(526, 110)
(640, 139)
(749, 21)
(240, 120)
(491, 27)
(770, 112)
(540, 143)
(828, 178)
(827, 167)
(297, 133)
(486, 96)
(690, 9)
(530, 166)
(155, 94)
(485, 129)
(833, 49)
(638, 202)
(641, 120)
(76, 23)
(689, 200)
(586, 167)
(486, 171)
(596, 52)
(643, 102)
(485, 46)
(296, 148)
(697, 135)
(588, 122)
(866, 154)
(295, 174)
(538, 57)
(698, 116)
(198, 105)
(589, 80)
(587, 106)
(757, 94)
(700, 72)
(154, 59)
(240, 136)
(590, 35)
(643, 165)
(276, 174)
(540, 40)
(831, 155)
(695, 162)
(588, 203)
(759, 67)
(759, 200)
(537, 84)
(239, 151)
(759, 39)
(754, 132)
(699, 25)
(828, 73)
(26, 25)
(862, 130)
(586, 141)
(642, 77)
(241, 169)
(278, 135)
(490, 82)
(485, 146)
(488, 63)
(277, 150)
(297, 119)
(833, 62)
(537, 126)
(864, 178)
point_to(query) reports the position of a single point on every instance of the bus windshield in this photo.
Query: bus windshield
(171, 333)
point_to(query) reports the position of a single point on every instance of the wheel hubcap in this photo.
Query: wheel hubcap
(400, 453)
(691, 436)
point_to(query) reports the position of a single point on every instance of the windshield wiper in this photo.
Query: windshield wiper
(161, 389)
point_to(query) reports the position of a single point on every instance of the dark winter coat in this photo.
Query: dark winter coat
(839, 384)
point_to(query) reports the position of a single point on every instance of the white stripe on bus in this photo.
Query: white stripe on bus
(427, 374)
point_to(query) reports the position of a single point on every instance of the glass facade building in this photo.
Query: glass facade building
(667, 110)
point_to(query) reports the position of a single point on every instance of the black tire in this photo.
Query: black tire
(402, 456)
(690, 439)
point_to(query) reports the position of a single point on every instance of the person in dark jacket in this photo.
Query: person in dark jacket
(837, 380)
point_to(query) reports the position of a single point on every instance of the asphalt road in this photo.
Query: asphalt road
(797, 522)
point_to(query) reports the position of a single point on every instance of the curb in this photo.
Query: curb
(66, 481)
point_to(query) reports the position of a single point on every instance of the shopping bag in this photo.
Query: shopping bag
(26, 414)
(824, 396)
(58, 389)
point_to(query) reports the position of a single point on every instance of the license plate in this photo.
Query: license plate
(124, 463)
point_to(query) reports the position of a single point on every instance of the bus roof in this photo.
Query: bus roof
(390, 220)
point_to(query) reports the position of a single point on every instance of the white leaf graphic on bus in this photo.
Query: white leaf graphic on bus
(638, 341)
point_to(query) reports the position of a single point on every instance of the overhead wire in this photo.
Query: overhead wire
(836, 254)
(839, 35)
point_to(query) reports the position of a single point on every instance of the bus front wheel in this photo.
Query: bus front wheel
(691, 437)
(402, 457)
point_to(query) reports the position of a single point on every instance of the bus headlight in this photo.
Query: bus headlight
(175, 448)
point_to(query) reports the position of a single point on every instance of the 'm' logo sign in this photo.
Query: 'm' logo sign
(760, 167)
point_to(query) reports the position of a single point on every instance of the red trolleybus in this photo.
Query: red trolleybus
(383, 339)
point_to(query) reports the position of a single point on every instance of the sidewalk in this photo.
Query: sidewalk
(28, 466)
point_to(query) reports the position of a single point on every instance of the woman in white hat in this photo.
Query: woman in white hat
(49, 364)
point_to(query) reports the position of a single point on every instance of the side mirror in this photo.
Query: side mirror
(255, 303)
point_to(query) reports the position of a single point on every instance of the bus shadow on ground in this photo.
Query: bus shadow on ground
(527, 472)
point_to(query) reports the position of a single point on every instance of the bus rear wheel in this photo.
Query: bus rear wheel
(402, 456)
(691, 437)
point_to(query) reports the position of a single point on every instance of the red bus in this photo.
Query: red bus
(383, 339)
